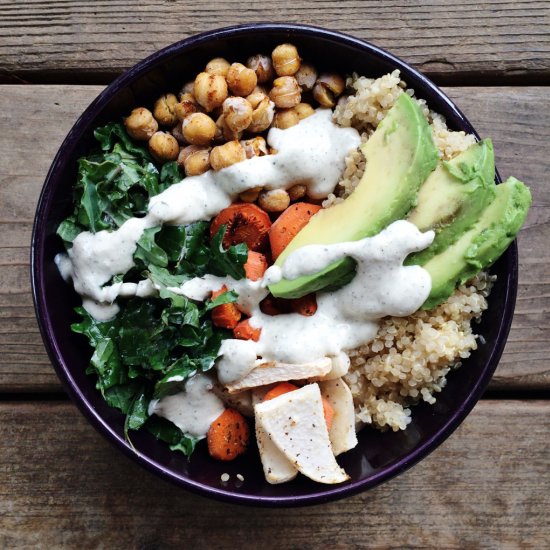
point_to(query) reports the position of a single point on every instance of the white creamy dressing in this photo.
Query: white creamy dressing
(345, 319)
(192, 410)
(251, 293)
(312, 153)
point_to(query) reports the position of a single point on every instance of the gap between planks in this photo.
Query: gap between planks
(63, 485)
(453, 42)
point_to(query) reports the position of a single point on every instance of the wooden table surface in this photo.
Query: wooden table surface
(62, 485)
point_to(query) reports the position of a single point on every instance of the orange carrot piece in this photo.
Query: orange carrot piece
(328, 411)
(288, 225)
(255, 266)
(245, 223)
(279, 389)
(219, 292)
(226, 315)
(306, 305)
(274, 306)
(286, 387)
(228, 435)
(245, 331)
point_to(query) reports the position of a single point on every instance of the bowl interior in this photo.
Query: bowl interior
(378, 456)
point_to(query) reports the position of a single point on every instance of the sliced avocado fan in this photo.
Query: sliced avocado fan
(453, 197)
(474, 220)
(399, 157)
(482, 245)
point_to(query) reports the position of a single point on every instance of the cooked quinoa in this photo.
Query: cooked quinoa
(368, 102)
(411, 356)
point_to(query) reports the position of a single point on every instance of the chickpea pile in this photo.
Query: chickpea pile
(215, 120)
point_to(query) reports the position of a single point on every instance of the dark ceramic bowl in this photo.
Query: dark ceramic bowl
(379, 456)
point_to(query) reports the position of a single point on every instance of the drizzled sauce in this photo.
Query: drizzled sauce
(345, 319)
(192, 410)
(312, 153)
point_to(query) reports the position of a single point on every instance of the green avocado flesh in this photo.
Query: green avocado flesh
(399, 157)
(451, 200)
(482, 245)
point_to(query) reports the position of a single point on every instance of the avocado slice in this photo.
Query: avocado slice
(400, 155)
(451, 200)
(483, 244)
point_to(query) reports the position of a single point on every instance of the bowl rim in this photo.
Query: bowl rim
(46, 329)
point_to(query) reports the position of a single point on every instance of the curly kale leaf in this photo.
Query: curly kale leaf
(114, 183)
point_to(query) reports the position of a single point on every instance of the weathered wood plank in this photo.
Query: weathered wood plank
(79, 41)
(516, 118)
(519, 149)
(486, 487)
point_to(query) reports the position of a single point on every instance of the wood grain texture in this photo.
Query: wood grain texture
(452, 41)
(516, 119)
(63, 486)
(520, 144)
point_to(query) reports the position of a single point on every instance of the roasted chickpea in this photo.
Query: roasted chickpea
(164, 146)
(164, 109)
(176, 132)
(327, 88)
(198, 129)
(218, 66)
(306, 77)
(185, 152)
(285, 92)
(220, 129)
(296, 192)
(255, 147)
(250, 195)
(262, 116)
(230, 135)
(257, 95)
(187, 88)
(227, 154)
(237, 113)
(241, 80)
(141, 124)
(275, 200)
(216, 113)
(262, 66)
(285, 118)
(188, 96)
(210, 90)
(286, 60)
(186, 106)
(194, 159)
(223, 132)
(303, 110)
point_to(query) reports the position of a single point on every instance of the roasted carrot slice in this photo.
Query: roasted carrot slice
(255, 266)
(279, 389)
(328, 412)
(306, 305)
(228, 435)
(288, 224)
(274, 306)
(244, 223)
(226, 315)
(245, 331)
(286, 387)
